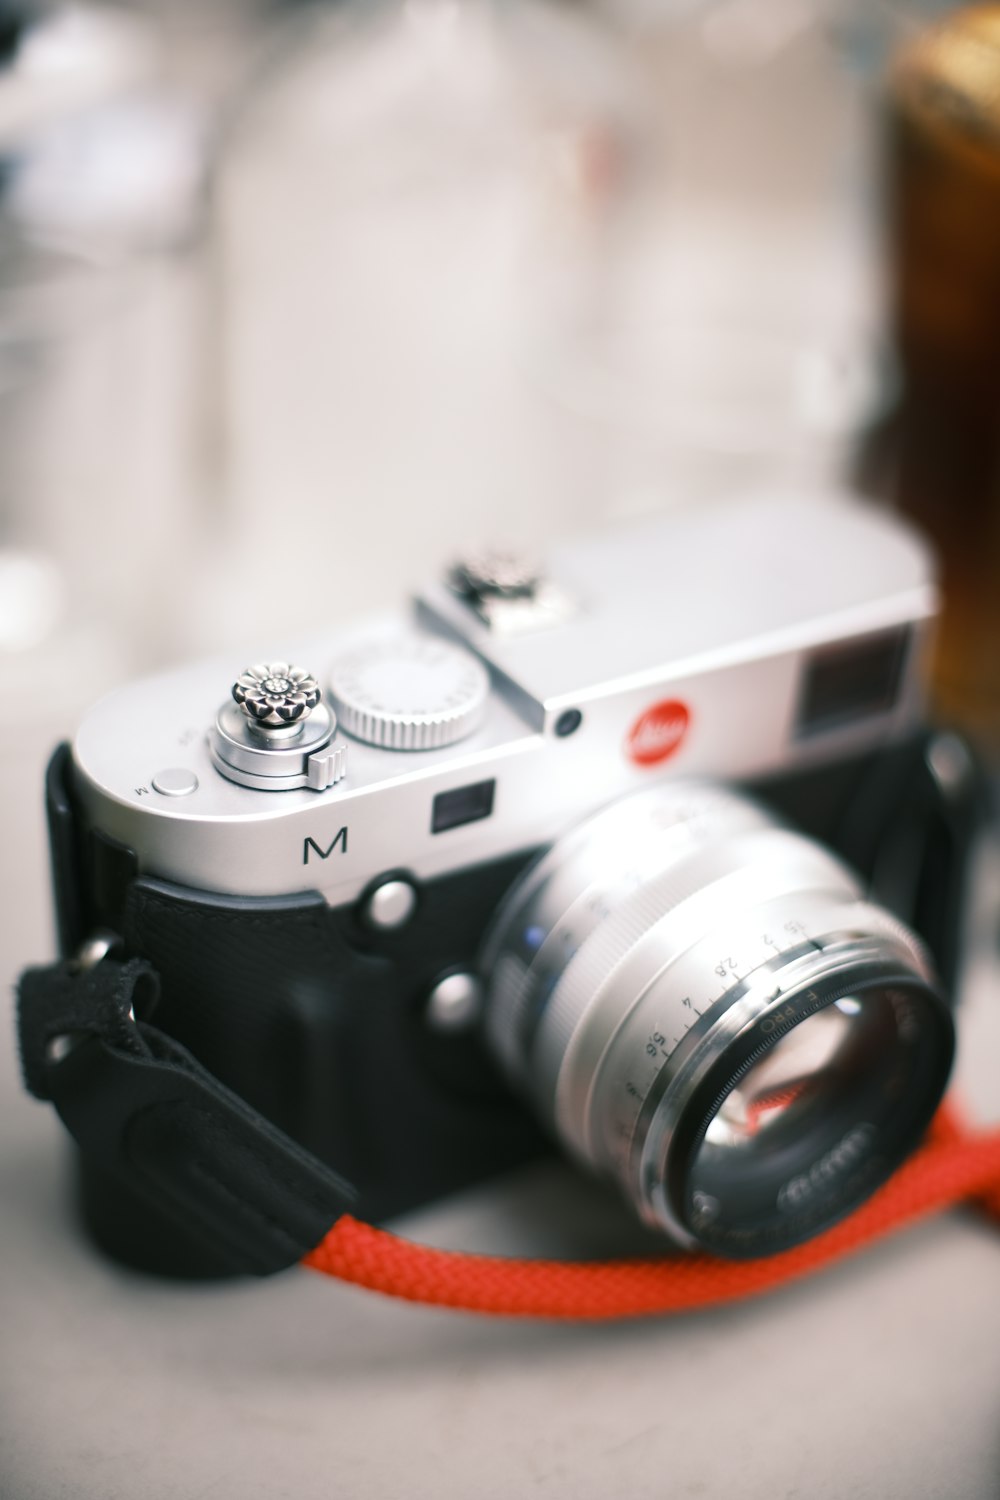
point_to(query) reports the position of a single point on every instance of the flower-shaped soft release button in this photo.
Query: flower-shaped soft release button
(275, 694)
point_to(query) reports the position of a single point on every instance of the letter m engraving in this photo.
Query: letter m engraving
(340, 839)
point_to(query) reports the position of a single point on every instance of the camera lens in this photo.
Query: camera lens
(703, 1006)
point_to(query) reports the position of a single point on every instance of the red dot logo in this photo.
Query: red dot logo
(658, 733)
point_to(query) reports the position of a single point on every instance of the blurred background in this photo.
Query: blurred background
(297, 299)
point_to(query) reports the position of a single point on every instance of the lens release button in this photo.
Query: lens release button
(455, 1003)
(390, 905)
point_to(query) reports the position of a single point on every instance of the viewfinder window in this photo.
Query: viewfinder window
(466, 804)
(845, 683)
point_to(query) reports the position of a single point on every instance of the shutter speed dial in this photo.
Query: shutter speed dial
(409, 693)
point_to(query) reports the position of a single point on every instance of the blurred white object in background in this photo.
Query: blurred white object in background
(62, 59)
(100, 347)
(410, 198)
(755, 305)
(101, 204)
(673, 410)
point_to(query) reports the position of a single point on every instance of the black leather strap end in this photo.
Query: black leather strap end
(60, 1005)
(143, 1108)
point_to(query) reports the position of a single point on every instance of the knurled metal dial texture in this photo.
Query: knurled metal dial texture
(409, 693)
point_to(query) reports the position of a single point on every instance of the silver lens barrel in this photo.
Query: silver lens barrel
(702, 1005)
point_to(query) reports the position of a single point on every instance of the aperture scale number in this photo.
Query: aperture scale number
(731, 969)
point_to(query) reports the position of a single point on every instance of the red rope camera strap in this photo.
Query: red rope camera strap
(955, 1165)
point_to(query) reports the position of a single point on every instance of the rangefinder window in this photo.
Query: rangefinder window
(846, 683)
(466, 804)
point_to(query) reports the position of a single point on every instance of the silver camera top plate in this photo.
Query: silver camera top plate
(732, 642)
(698, 588)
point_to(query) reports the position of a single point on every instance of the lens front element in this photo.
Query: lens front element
(704, 1007)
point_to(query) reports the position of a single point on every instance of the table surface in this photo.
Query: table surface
(879, 1378)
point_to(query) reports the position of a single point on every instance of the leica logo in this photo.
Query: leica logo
(658, 732)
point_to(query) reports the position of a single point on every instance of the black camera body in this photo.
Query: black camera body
(348, 1011)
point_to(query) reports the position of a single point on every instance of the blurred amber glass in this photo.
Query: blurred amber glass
(945, 206)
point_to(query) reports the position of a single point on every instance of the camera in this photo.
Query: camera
(642, 848)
